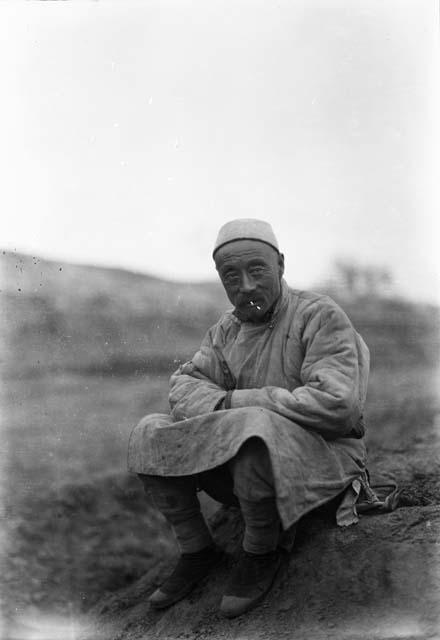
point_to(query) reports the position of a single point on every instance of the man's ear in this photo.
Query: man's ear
(281, 264)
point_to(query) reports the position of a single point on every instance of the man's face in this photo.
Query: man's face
(251, 273)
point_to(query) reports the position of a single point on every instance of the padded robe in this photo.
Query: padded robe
(298, 382)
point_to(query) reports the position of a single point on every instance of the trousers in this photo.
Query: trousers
(246, 480)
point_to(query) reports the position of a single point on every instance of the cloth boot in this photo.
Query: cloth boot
(254, 487)
(176, 498)
(260, 559)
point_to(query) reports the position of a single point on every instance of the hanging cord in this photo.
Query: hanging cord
(228, 377)
(369, 500)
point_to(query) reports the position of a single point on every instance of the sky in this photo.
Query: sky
(130, 131)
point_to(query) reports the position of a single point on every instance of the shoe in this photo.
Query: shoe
(189, 571)
(250, 581)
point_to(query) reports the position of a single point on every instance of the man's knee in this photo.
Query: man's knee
(252, 471)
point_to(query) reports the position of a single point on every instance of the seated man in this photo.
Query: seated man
(268, 414)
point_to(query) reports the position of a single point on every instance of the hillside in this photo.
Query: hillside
(81, 318)
(98, 319)
(85, 352)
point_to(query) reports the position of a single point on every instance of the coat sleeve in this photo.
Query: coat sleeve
(198, 386)
(330, 400)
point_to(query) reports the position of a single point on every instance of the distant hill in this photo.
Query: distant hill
(83, 317)
(92, 319)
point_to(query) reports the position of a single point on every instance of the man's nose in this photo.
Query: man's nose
(247, 283)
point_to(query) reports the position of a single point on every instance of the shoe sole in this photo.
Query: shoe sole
(253, 603)
(182, 594)
(169, 603)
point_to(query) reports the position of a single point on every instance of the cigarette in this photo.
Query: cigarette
(252, 303)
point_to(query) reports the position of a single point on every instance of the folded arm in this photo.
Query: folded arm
(199, 386)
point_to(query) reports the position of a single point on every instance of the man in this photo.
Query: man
(267, 414)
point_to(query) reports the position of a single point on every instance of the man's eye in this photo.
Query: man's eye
(256, 271)
(231, 278)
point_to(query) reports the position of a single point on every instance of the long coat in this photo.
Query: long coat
(298, 382)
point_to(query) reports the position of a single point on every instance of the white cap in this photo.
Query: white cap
(246, 229)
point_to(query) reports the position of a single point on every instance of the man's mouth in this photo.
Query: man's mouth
(250, 310)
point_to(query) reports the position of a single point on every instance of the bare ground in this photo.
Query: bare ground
(377, 579)
(83, 555)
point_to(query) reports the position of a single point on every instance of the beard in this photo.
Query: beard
(254, 310)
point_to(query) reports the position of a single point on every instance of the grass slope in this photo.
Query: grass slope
(89, 319)
(62, 316)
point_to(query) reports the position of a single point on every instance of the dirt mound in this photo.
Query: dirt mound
(377, 579)
(374, 580)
